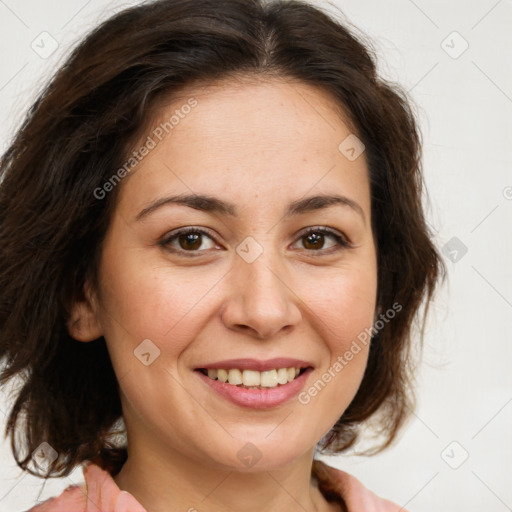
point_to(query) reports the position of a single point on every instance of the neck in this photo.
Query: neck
(174, 480)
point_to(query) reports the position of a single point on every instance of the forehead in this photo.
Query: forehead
(258, 137)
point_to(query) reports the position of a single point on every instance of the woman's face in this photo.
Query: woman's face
(248, 288)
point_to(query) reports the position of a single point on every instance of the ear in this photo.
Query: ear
(83, 322)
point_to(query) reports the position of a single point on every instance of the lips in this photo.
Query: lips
(254, 383)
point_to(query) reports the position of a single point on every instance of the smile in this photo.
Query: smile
(256, 384)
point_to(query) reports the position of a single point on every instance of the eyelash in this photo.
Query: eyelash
(341, 241)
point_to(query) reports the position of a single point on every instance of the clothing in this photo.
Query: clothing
(101, 494)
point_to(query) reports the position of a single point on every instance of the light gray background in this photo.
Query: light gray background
(465, 105)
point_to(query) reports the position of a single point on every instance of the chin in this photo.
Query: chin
(252, 455)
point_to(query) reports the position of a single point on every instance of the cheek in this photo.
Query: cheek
(342, 318)
(150, 299)
(344, 305)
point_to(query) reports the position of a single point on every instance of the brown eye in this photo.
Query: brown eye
(190, 241)
(315, 239)
(193, 241)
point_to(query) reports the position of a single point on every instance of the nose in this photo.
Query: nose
(260, 301)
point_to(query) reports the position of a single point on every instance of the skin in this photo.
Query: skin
(259, 145)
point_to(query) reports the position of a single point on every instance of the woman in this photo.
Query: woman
(211, 229)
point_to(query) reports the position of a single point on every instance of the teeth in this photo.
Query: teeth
(235, 377)
(269, 379)
(282, 376)
(250, 377)
(255, 379)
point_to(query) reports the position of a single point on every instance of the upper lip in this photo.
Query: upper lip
(256, 364)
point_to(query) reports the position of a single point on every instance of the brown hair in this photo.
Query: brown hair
(80, 130)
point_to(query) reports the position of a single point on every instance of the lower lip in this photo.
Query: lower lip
(257, 398)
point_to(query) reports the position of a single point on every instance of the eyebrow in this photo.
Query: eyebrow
(212, 204)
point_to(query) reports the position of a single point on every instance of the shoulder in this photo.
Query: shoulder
(356, 496)
(72, 499)
(99, 493)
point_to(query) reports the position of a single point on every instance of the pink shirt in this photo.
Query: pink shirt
(101, 494)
